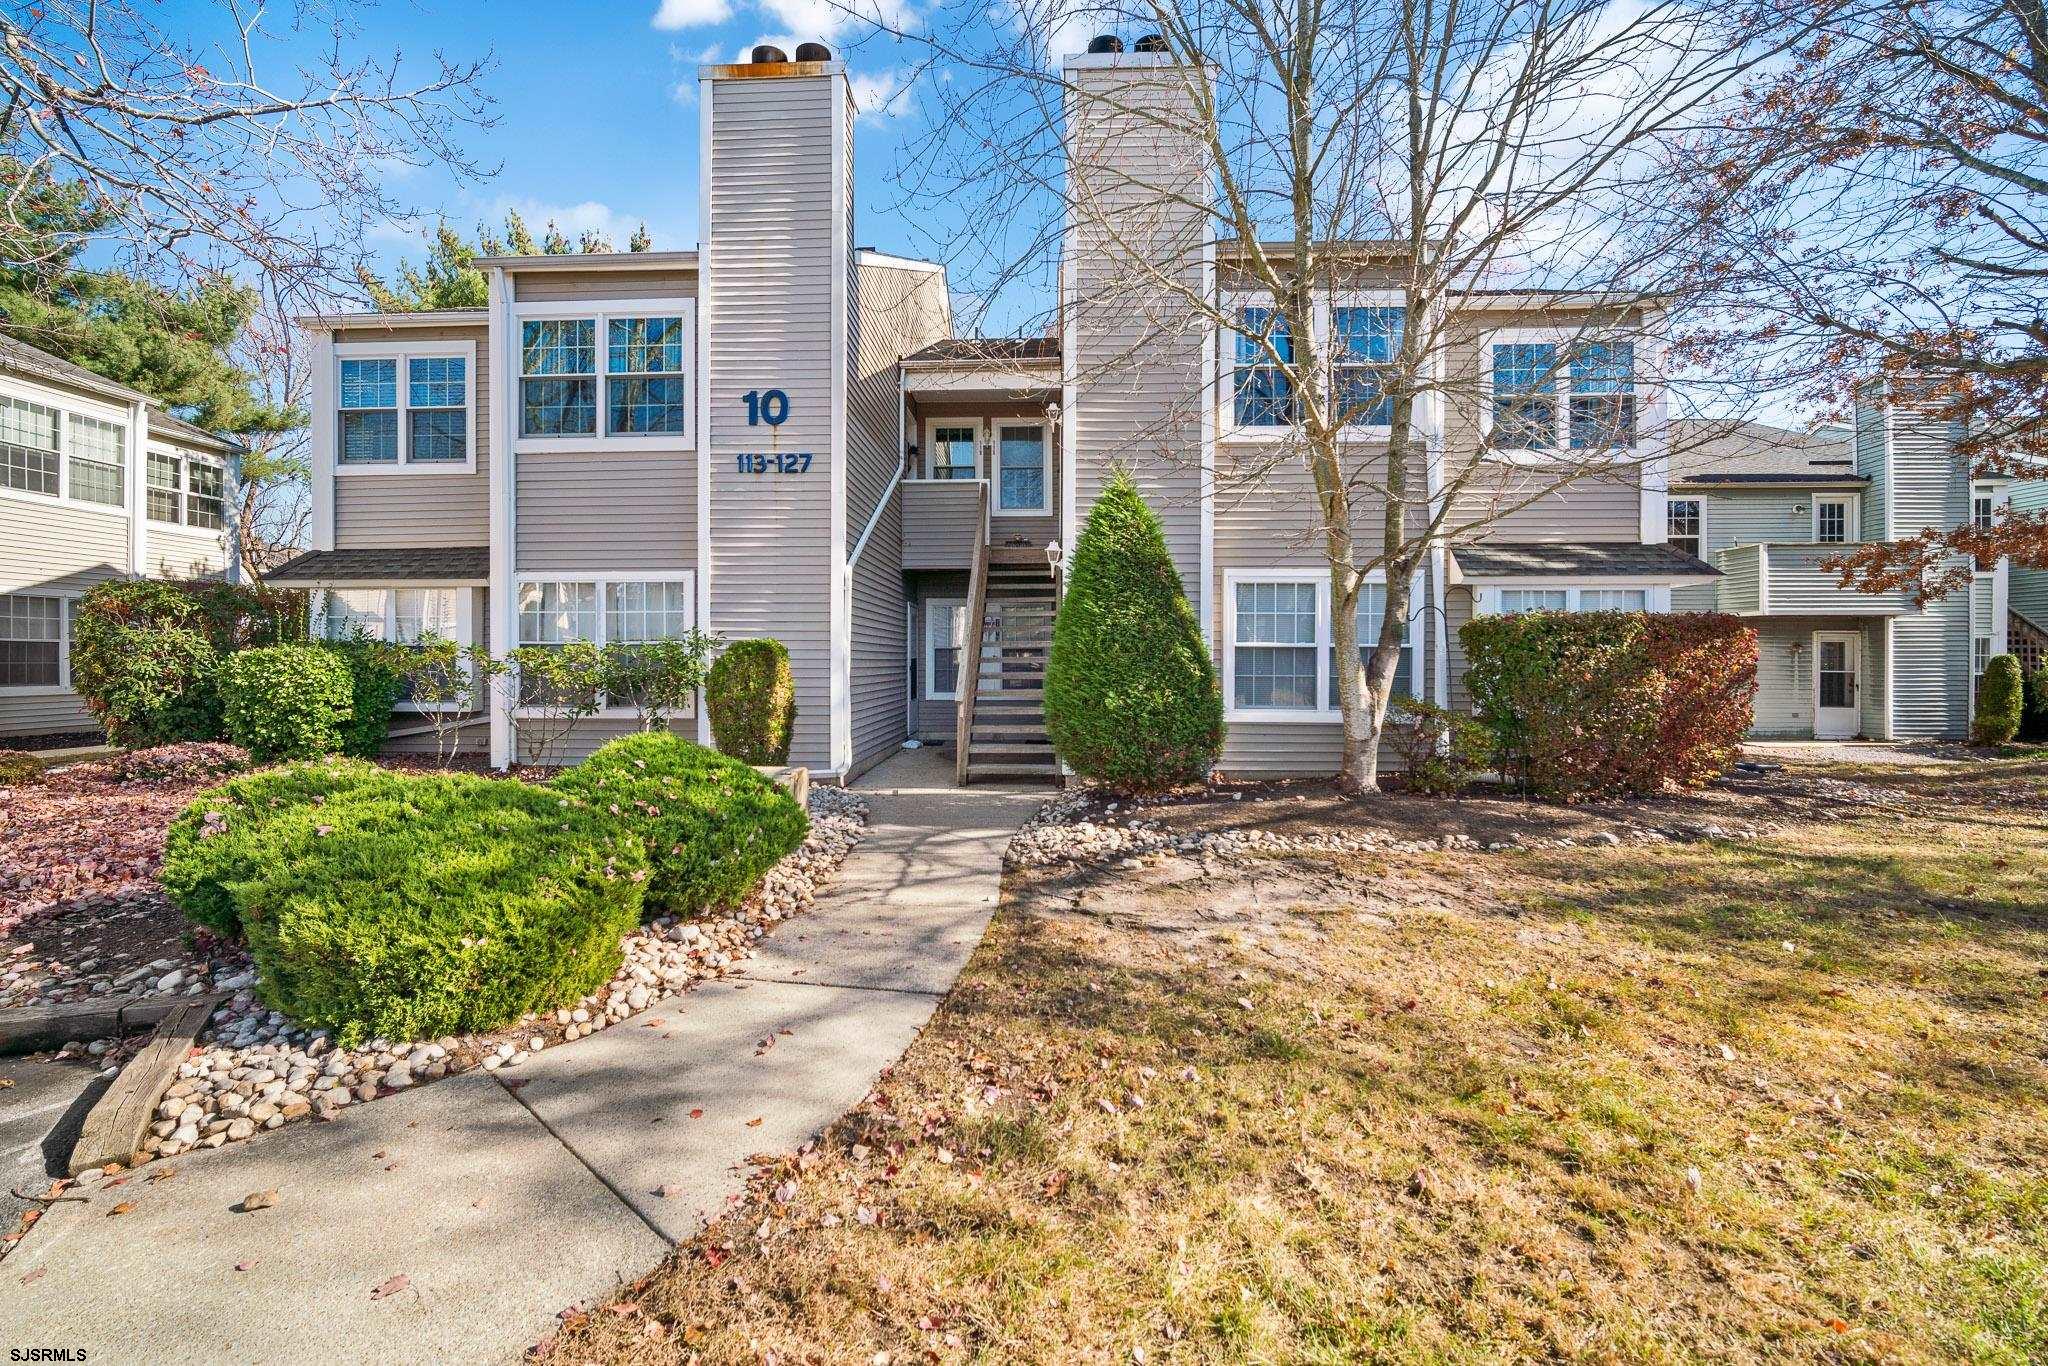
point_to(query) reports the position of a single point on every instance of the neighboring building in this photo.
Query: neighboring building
(778, 435)
(1770, 507)
(96, 483)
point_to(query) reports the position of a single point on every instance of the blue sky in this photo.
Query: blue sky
(596, 108)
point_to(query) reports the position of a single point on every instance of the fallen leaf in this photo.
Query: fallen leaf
(256, 1200)
(865, 1216)
(391, 1287)
(244, 1266)
(121, 1208)
(40, 1271)
(696, 1114)
(755, 1122)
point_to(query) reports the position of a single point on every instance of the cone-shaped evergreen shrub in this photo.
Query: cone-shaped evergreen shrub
(751, 696)
(2000, 699)
(1130, 694)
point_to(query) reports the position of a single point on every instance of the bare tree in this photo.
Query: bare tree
(272, 503)
(1456, 158)
(251, 135)
(1877, 208)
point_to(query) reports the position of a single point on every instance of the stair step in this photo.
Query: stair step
(1041, 772)
(1003, 730)
(1010, 754)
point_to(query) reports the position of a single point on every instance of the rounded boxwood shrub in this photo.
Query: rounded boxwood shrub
(751, 696)
(141, 660)
(441, 904)
(711, 825)
(286, 701)
(374, 688)
(231, 833)
(1130, 693)
(2000, 702)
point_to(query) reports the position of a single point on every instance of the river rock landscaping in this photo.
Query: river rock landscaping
(79, 899)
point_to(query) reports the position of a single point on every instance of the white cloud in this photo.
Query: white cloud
(881, 94)
(827, 18)
(675, 14)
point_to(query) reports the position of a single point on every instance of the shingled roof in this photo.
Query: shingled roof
(987, 350)
(1706, 451)
(1582, 560)
(373, 567)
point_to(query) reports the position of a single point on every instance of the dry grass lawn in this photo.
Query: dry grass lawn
(1764, 1100)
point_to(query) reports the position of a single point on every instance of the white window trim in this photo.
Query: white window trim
(404, 352)
(465, 632)
(600, 312)
(1649, 398)
(931, 653)
(1322, 325)
(1988, 493)
(67, 603)
(995, 444)
(1700, 519)
(1486, 597)
(66, 407)
(1852, 529)
(186, 461)
(1319, 575)
(979, 426)
(602, 578)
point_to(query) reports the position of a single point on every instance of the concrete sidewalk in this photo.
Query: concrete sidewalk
(502, 1204)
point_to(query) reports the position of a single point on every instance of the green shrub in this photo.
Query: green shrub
(1591, 703)
(658, 679)
(440, 904)
(144, 652)
(751, 696)
(374, 687)
(559, 685)
(1130, 693)
(1441, 749)
(19, 768)
(711, 825)
(285, 701)
(2034, 713)
(229, 834)
(2000, 702)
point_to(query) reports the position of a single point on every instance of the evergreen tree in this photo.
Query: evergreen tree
(640, 240)
(1130, 694)
(448, 277)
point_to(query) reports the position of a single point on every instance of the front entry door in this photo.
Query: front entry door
(1837, 664)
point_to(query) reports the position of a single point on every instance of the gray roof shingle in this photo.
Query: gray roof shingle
(443, 564)
(990, 350)
(1584, 560)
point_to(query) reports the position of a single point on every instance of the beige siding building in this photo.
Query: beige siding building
(96, 483)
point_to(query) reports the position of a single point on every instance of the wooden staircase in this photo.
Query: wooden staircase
(1001, 729)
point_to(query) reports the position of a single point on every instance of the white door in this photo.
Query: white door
(1837, 659)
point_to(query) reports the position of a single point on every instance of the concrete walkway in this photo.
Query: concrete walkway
(500, 1204)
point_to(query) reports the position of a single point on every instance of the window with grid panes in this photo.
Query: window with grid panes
(1275, 645)
(31, 641)
(28, 446)
(558, 377)
(96, 456)
(437, 409)
(1364, 341)
(369, 411)
(163, 490)
(644, 381)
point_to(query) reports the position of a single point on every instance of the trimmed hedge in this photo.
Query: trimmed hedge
(751, 696)
(1593, 703)
(2001, 702)
(144, 652)
(711, 825)
(286, 701)
(232, 833)
(440, 904)
(1130, 693)
(374, 689)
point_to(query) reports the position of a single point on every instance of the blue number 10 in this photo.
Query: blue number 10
(770, 406)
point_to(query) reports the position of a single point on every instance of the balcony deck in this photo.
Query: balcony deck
(1786, 579)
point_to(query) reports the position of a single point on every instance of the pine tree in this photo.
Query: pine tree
(1130, 693)
(448, 276)
(640, 240)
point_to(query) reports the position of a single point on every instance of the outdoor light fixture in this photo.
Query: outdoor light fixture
(1054, 553)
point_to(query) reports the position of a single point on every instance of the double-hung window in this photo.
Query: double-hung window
(1983, 509)
(32, 641)
(558, 377)
(28, 446)
(1372, 613)
(1833, 522)
(1264, 386)
(600, 611)
(398, 616)
(955, 453)
(1682, 525)
(1581, 394)
(1278, 640)
(1364, 342)
(402, 405)
(98, 456)
(1020, 468)
(945, 621)
(206, 494)
(165, 487)
(1508, 602)
(644, 376)
(184, 490)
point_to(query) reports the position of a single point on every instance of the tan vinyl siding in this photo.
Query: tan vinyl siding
(1732, 519)
(941, 524)
(583, 738)
(47, 546)
(1508, 503)
(1138, 351)
(559, 286)
(44, 714)
(617, 510)
(184, 553)
(768, 321)
(438, 508)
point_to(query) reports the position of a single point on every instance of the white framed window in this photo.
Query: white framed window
(1514, 599)
(35, 643)
(1834, 520)
(96, 451)
(1983, 507)
(1980, 655)
(1279, 655)
(1682, 525)
(953, 450)
(1546, 391)
(399, 616)
(1262, 390)
(1364, 331)
(605, 608)
(407, 406)
(616, 373)
(1365, 340)
(945, 624)
(1023, 470)
(29, 460)
(74, 449)
(184, 490)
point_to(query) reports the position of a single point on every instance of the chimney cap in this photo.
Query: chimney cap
(1151, 42)
(813, 52)
(1107, 42)
(767, 52)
